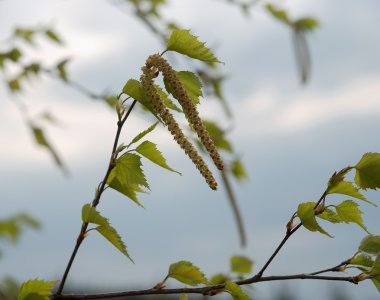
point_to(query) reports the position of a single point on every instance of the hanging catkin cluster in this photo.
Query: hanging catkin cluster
(149, 73)
(188, 107)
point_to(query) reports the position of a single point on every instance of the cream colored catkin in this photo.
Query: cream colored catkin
(188, 107)
(158, 105)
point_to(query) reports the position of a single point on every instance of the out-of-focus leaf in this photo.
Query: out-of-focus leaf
(236, 292)
(61, 68)
(36, 289)
(191, 83)
(370, 244)
(238, 170)
(187, 273)
(279, 14)
(241, 264)
(52, 35)
(306, 24)
(218, 136)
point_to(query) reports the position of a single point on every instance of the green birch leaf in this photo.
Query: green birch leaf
(142, 134)
(330, 216)
(187, 273)
(25, 34)
(376, 266)
(363, 259)
(241, 264)
(376, 282)
(347, 188)
(91, 215)
(127, 176)
(36, 289)
(218, 136)
(134, 90)
(238, 170)
(368, 171)
(279, 14)
(14, 54)
(61, 69)
(53, 36)
(370, 244)
(14, 85)
(41, 140)
(191, 83)
(349, 212)
(150, 151)
(182, 41)
(114, 238)
(167, 101)
(306, 214)
(219, 279)
(236, 292)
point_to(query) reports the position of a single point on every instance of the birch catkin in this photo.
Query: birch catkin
(158, 105)
(187, 105)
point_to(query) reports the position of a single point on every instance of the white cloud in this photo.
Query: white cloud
(268, 111)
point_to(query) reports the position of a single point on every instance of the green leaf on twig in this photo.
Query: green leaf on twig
(127, 177)
(241, 264)
(370, 244)
(347, 188)
(150, 151)
(191, 83)
(91, 215)
(142, 134)
(182, 41)
(306, 214)
(236, 292)
(187, 273)
(279, 14)
(52, 35)
(36, 289)
(368, 171)
(349, 212)
(363, 259)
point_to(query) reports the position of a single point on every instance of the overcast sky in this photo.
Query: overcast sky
(292, 139)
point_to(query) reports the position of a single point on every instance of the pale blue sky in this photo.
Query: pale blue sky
(292, 139)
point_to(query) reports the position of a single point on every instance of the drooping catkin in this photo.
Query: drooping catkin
(188, 107)
(158, 105)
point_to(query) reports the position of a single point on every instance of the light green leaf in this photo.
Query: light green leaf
(36, 289)
(368, 171)
(91, 215)
(134, 90)
(330, 216)
(241, 264)
(182, 41)
(14, 85)
(279, 14)
(127, 176)
(142, 134)
(362, 260)
(376, 282)
(191, 83)
(236, 292)
(376, 266)
(238, 170)
(218, 279)
(187, 273)
(347, 188)
(306, 214)
(150, 151)
(349, 212)
(370, 244)
(167, 101)
(218, 136)
(114, 238)
(14, 54)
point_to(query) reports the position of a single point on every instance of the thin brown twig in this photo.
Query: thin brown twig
(208, 290)
(97, 197)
